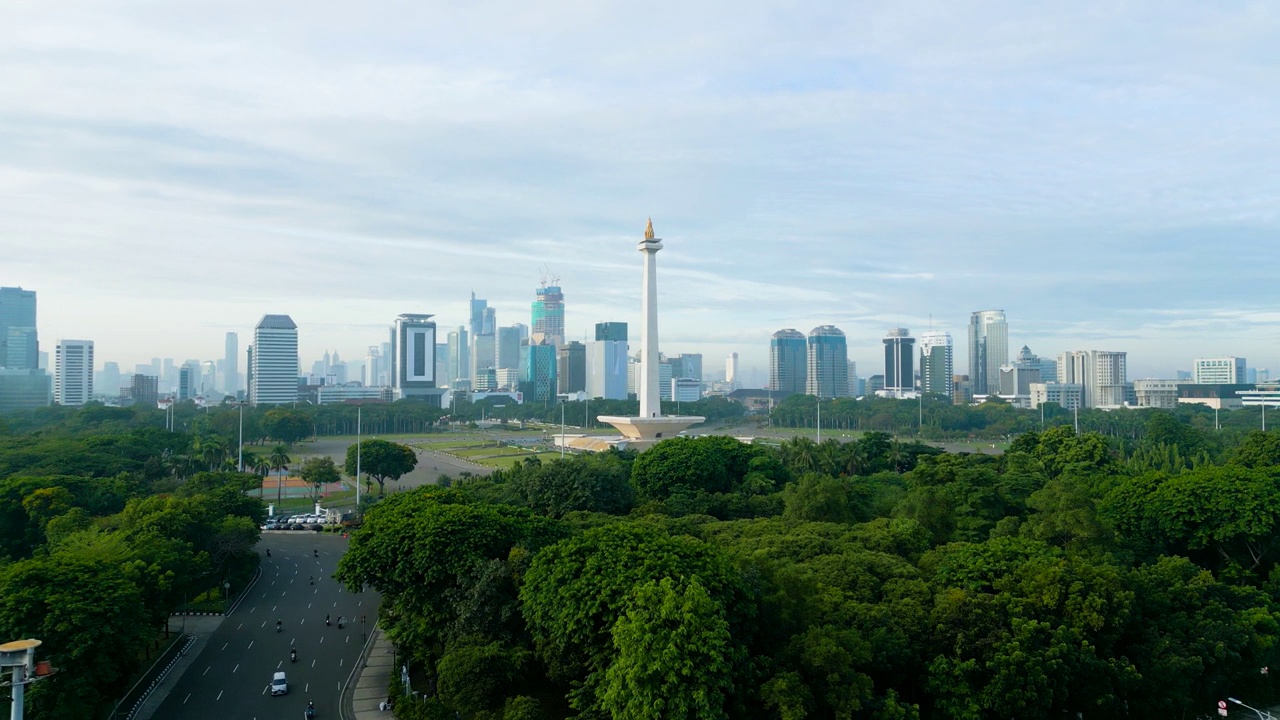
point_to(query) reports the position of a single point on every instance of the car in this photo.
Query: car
(279, 684)
(296, 526)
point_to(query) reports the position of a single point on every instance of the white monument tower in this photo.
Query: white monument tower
(643, 432)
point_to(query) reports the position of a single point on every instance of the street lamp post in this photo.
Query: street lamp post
(1262, 715)
(240, 451)
(562, 431)
(359, 426)
(819, 418)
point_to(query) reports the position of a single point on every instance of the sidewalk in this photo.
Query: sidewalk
(372, 680)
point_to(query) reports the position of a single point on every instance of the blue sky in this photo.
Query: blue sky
(1104, 172)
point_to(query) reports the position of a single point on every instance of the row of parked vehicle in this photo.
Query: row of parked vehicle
(296, 522)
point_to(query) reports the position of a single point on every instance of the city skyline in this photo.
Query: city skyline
(1082, 168)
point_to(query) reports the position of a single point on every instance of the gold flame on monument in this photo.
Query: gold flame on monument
(648, 230)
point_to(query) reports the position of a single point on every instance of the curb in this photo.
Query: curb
(160, 677)
(345, 709)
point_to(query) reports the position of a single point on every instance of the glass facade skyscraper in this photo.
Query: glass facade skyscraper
(899, 360)
(828, 371)
(936, 364)
(788, 363)
(988, 349)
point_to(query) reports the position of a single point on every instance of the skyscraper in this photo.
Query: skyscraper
(571, 368)
(1048, 367)
(231, 364)
(828, 372)
(788, 364)
(508, 347)
(19, 344)
(988, 349)
(611, 331)
(484, 350)
(731, 370)
(413, 358)
(541, 373)
(899, 361)
(73, 377)
(548, 315)
(936, 361)
(459, 356)
(274, 370)
(1102, 373)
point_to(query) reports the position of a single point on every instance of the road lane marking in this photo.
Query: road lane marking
(250, 645)
(308, 606)
(279, 664)
(313, 662)
(322, 638)
(306, 688)
(188, 697)
(304, 620)
(264, 624)
(224, 645)
(273, 608)
(237, 667)
(220, 694)
(240, 626)
(339, 662)
(206, 671)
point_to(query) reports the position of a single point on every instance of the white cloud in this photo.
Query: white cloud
(868, 165)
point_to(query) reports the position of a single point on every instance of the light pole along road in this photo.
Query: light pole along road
(230, 677)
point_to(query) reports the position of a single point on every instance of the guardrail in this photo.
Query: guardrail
(141, 690)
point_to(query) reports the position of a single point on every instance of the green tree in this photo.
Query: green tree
(286, 425)
(318, 472)
(673, 655)
(381, 460)
(475, 678)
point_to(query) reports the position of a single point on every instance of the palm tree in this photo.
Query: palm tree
(279, 462)
(261, 466)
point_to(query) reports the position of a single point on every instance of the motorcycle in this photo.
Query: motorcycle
(293, 656)
(310, 713)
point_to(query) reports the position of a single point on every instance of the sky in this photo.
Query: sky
(1104, 172)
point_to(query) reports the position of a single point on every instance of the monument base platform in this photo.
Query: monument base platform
(642, 433)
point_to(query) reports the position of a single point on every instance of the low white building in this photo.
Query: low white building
(1155, 393)
(1069, 396)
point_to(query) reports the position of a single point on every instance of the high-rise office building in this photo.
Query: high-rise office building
(483, 336)
(828, 366)
(936, 364)
(413, 359)
(19, 342)
(607, 369)
(788, 363)
(73, 374)
(187, 379)
(988, 349)
(1103, 374)
(613, 331)
(107, 381)
(1016, 380)
(1219, 371)
(459, 355)
(1048, 367)
(508, 347)
(571, 368)
(731, 370)
(540, 374)
(548, 316)
(899, 361)
(145, 390)
(274, 368)
(687, 365)
(231, 364)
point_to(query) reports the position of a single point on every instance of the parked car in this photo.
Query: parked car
(279, 684)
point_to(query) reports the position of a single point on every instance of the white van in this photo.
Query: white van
(279, 684)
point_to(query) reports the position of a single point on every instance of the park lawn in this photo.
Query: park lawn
(505, 461)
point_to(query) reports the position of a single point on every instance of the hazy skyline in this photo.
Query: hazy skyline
(1104, 173)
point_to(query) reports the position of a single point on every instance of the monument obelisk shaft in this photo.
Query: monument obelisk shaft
(650, 426)
(650, 393)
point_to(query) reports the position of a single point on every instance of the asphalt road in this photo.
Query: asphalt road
(230, 677)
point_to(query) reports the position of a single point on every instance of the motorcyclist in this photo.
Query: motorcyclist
(311, 710)
(268, 552)
(279, 625)
(312, 580)
(316, 551)
(326, 620)
(293, 655)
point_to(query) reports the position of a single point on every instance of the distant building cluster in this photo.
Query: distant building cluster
(818, 365)
(538, 363)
